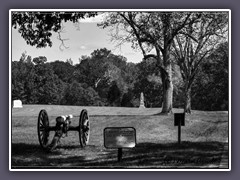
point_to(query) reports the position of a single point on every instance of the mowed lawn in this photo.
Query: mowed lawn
(204, 139)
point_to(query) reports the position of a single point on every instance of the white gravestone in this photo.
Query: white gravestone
(17, 104)
(142, 101)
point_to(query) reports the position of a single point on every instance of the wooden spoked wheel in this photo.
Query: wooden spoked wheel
(84, 128)
(43, 128)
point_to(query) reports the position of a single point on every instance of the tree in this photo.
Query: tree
(21, 71)
(210, 90)
(148, 82)
(64, 70)
(196, 41)
(100, 70)
(152, 31)
(40, 60)
(35, 83)
(91, 70)
(37, 27)
(69, 61)
(80, 94)
(131, 73)
(114, 94)
(18, 76)
(47, 87)
(127, 99)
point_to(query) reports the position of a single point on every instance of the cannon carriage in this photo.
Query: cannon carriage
(44, 128)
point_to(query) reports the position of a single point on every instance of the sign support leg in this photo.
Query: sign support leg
(119, 154)
(179, 133)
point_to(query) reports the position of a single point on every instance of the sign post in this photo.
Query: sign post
(179, 133)
(179, 120)
(119, 154)
(119, 138)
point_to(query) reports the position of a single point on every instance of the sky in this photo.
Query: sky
(80, 41)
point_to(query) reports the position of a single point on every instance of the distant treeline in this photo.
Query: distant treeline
(105, 79)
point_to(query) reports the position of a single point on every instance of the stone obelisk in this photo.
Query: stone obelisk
(142, 101)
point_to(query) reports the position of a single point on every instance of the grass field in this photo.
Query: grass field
(204, 139)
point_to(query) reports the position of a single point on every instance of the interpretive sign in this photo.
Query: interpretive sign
(119, 137)
(179, 119)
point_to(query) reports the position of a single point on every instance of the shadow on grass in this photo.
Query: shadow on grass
(31, 155)
(167, 155)
(144, 155)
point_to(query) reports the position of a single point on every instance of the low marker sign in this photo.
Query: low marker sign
(179, 120)
(119, 137)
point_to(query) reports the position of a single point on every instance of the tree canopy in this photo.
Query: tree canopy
(195, 42)
(118, 83)
(36, 27)
(152, 31)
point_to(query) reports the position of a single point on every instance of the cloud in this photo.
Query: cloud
(82, 47)
(90, 47)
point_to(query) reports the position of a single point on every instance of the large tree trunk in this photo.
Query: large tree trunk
(166, 74)
(167, 96)
(167, 63)
(187, 103)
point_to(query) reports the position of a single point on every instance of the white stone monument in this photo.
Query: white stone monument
(142, 101)
(17, 104)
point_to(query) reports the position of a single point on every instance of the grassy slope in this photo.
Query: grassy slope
(33, 110)
(202, 137)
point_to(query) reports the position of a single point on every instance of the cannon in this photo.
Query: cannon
(63, 126)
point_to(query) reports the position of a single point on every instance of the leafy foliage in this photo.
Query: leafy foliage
(100, 79)
(63, 70)
(37, 27)
(105, 79)
(80, 94)
(149, 82)
(195, 42)
(210, 90)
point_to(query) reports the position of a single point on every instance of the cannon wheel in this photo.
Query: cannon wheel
(84, 128)
(43, 128)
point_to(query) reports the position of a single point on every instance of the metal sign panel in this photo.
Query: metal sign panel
(119, 137)
(179, 118)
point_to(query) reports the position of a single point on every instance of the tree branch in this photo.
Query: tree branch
(175, 31)
(150, 56)
(179, 54)
(131, 23)
(188, 35)
(59, 37)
